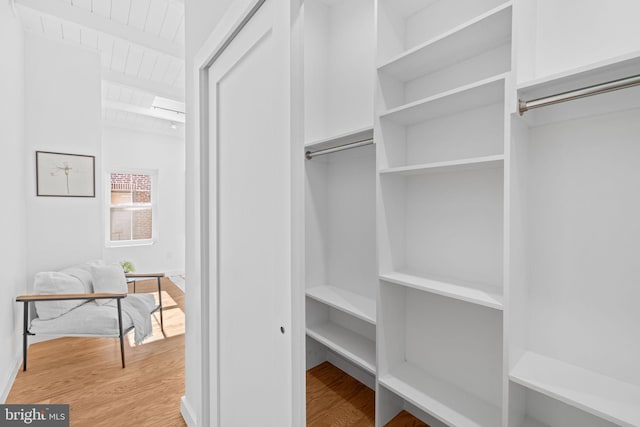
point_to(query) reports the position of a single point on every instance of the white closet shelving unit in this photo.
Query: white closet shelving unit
(575, 167)
(505, 287)
(341, 273)
(443, 72)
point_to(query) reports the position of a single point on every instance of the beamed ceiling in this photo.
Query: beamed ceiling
(141, 46)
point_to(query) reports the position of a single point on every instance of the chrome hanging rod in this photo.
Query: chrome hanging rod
(524, 106)
(311, 154)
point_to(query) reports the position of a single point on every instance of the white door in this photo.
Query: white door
(250, 168)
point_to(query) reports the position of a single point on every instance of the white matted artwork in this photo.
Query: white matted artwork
(65, 175)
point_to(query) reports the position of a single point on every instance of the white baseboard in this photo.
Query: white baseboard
(351, 369)
(179, 281)
(6, 388)
(187, 412)
(174, 273)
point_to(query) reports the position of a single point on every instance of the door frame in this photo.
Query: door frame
(234, 20)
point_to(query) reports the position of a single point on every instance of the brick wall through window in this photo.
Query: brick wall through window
(131, 215)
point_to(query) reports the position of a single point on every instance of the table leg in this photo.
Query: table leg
(121, 333)
(25, 334)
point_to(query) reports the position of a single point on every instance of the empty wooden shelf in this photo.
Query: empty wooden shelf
(349, 344)
(444, 401)
(356, 305)
(611, 399)
(475, 293)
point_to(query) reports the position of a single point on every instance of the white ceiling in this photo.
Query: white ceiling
(141, 46)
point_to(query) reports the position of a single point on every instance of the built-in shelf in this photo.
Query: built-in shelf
(357, 135)
(349, 302)
(485, 92)
(440, 399)
(578, 78)
(594, 393)
(485, 162)
(354, 347)
(487, 31)
(475, 293)
(612, 68)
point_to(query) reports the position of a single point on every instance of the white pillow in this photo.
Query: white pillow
(81, 274)
(108, 279)
(54, 282)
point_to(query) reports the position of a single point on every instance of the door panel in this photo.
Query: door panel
(251, 167)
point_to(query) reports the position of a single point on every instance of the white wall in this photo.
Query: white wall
(62, 114)
(201, 17)
(556, 36)
(124, 150)
(13, 230)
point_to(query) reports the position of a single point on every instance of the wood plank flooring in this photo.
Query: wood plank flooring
(86, 373)
(405, 419)
(336, 399)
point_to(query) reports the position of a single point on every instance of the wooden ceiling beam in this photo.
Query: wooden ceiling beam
(85, 18)
(151, 112)
(149, 86)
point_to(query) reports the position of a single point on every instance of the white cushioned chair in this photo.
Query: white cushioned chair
(86, 300)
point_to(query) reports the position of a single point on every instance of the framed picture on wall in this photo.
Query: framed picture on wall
(65, 175)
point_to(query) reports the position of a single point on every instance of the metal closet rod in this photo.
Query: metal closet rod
(311, 154)
(524, 106)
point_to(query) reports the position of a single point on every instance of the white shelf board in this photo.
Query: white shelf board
(474, 293)
(356, 135)
(349, 302)
(356, 348)
(485, 92)
(594, 393)
(485, 162)
(440, 399)
(485, 32)
(616, 67)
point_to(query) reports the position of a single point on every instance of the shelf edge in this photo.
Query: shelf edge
(493, 301)
(439, 96)
(434, 40)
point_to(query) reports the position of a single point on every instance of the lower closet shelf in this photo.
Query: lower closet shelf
(596, 394)
(354, 347)
(356, 305)
(444, 401)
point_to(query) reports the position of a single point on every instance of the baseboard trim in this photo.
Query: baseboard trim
(187, 412)
(178, 280)
(6, 388)
(169, 273)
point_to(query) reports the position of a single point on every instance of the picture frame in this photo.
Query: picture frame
(65, 175)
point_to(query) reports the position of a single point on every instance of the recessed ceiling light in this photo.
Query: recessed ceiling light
(173, 125)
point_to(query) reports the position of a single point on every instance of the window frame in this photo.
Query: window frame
(153, 174)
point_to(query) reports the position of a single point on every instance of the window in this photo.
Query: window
(131, 209)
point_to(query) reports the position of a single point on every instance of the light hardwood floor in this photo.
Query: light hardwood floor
(86, 373)
(336, 399)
